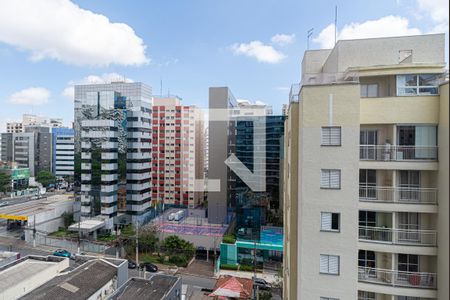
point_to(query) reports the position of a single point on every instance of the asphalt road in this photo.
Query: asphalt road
(22, 199)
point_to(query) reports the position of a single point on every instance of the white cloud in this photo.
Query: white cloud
(69, 91)
(383, 27)
(256, 49)
(437, 9)
(283, 39)
(30, 96)
(61, 30)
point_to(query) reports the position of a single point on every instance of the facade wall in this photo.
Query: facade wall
(290, 202)
(313, 200)
(443, 217)
(63, 143)
(221, 144)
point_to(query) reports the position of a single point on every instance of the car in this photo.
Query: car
(5, 203)
(149, 267)
(261, 284)
(131, 264)
(62, 253)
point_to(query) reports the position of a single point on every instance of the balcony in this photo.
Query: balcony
(382, 194)
(398, 236)
(398, 153)
(396, 278)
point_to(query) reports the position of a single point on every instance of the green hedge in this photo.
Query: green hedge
(247, 268)
(229, 239)
(229, 267)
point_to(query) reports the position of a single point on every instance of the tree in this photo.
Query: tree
(68, 219)
(5, 182)
(174, 244)
(45, 178)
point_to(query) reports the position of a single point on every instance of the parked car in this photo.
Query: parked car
(261, 284)
(131, 264)
(62, 253)
(149, 267)
(5, 203)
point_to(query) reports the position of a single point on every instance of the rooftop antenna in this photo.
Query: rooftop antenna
(335, 24)
(309, 34)
(160, 90)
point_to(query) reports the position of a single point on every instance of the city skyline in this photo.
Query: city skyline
(237, 42)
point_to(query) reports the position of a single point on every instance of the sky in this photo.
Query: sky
(254, 47)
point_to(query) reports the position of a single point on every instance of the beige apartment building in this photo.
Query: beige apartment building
(366, 167)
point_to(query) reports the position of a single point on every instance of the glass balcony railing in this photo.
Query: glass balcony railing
(398, 153)
(406, 195)
(396, 278)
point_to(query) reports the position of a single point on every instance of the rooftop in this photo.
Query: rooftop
(32, 208)
(87, 225)
(80, 283)
(154, 288)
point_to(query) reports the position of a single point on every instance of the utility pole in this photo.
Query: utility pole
(137, 244)
(79, 233)
(34, 231)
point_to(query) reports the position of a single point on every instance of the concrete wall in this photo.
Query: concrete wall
(219, 98)
(443, 217)
(315, 112)
(290, 202)
(385, 51)
(7, 257)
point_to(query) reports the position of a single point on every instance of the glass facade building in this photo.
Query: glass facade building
(255, 210)
(113, 151)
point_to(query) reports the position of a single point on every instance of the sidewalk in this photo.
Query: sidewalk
(268, 276)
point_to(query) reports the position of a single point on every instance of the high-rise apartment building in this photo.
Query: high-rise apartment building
(113, 150)
(366, 195)
(177, 150)
(63, 147)
(221, 139)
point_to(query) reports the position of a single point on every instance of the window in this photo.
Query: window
(369, 90)
(330, 179)
(331, 136)
(363, 295)
(406, 298)
(329, 264)
(413, 84)
(330, 221)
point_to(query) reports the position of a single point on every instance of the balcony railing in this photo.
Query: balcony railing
(398, 153)
(397, 278)
(398, 236)
(407, 195)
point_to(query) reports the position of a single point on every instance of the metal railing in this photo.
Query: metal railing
(397, 278)
(407, 195)
(398, 153)
(398, 236)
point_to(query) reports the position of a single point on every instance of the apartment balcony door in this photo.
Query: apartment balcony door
(367, 220)
(408, 222)
(407, 263)
(368, 139)
(367, 184)
(410, 186)
(367, 262)
(417, 142)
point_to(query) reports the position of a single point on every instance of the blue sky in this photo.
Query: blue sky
(190, 45)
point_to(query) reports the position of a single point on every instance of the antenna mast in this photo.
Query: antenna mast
(335, 24)
(308, 36)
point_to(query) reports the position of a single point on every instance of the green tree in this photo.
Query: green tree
(174, 244)
(5, 182)
(45, 178)
(68, 219)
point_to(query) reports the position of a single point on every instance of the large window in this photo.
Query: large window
(331, 136)
(329, 221)
(369, 90)
(417, 84)
(329, 264)
(330, 179)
